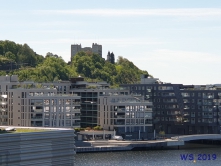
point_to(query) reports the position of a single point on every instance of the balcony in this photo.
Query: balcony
(37, 110)
(76, 103)
(148, 109)
(76, 110)
(119, 123)
(75, 117)
(3, 102)
(3, 96)
(121, 109)
(36, 125)
(168, 95)
(186, 95)
(38, 103)
(5, 116)
(186, 120)
(119, 116)
(208, 97)
(207, 109)
(38, 118)
(3, 109)
(76, 124)
(207, 116)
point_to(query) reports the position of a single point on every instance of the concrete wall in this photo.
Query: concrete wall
(48, 148)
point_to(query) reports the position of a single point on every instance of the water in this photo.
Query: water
(151, 157)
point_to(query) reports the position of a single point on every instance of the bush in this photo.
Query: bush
(162, 133)
(88, 128)
(79, 129)
(97, 128)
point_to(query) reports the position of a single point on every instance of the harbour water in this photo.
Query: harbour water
(211, 155)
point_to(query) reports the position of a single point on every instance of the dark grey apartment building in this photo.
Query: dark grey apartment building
(181, 109)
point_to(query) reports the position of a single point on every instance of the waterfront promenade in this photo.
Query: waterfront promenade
(114, 145)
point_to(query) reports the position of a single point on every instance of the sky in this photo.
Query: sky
(177, 41)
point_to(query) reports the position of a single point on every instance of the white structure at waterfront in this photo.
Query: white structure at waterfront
(124, 113)
(33, 104)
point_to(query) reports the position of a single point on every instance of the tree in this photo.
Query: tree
(1, 49)
(10, 55)
(53, 68)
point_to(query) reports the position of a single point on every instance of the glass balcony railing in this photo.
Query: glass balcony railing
(119, 123)
(3, 109)
(121, 109)
(119, 116)
(3, 103)
(37, 117)
(37, 110)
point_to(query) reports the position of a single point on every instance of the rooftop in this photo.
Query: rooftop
(18, 129)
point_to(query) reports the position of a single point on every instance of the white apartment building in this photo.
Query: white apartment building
(32, 104)
(126, 114)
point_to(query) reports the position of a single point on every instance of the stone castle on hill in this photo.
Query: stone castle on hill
(96, 48)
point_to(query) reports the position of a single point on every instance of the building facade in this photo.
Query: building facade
(96, 48)
(128, 115)
(90, 92)
(182, 109)
(28, 104)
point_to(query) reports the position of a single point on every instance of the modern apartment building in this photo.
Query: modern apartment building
(96, 48)
(182, 109)
(130, 116)
(34, 104)
(90, 92)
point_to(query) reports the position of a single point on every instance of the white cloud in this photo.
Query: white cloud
(189, 12)
(120, 42)
(166, 55)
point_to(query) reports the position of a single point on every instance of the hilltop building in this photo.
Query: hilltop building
(110, 57)
(96, 48)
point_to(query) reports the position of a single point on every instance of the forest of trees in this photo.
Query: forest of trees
(31, 66)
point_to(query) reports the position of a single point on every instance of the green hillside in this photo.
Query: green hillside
(21, 60)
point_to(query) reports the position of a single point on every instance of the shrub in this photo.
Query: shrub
(97, 128)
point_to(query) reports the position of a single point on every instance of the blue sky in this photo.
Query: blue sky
(175, 41)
